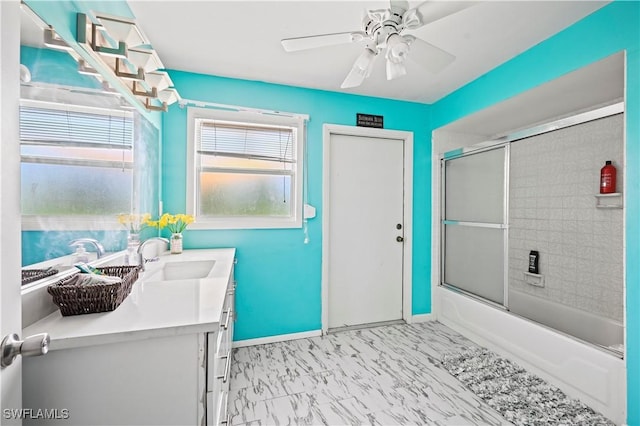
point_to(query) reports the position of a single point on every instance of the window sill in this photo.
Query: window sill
(245, 223)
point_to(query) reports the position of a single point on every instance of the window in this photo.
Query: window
(76, 164)
(245, 169)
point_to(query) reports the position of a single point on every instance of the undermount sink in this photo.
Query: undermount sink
(188, 269)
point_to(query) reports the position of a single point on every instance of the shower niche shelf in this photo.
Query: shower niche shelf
(609, 201)
(536, 280)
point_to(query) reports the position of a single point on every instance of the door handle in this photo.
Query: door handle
(399, 239)
(12, 346)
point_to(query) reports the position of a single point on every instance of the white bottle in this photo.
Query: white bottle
(81, 255)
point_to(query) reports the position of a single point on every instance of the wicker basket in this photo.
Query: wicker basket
(74, 299)
(31, 275)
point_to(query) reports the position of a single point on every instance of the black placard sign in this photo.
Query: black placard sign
(368, 120)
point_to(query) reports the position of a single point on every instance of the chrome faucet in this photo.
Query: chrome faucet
(99, 247)
(141, 259)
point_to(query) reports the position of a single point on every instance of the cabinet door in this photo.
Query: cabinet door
(152, 381)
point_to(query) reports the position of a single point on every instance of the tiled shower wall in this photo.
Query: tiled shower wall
(554, 178)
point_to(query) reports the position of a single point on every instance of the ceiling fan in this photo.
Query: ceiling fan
(382, 31)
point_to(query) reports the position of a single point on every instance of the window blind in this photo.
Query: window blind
(48, 126)
(245, 140)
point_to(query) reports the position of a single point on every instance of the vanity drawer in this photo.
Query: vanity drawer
(222, 411)
(219, 361)
(219, 346)
(218, 408)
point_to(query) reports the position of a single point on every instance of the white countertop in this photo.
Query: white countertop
(152, 309)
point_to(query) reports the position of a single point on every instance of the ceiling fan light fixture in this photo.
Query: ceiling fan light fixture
(395, 70)
(397, 48)
(361, 69)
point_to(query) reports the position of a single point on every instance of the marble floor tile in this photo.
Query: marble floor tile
(389, 375)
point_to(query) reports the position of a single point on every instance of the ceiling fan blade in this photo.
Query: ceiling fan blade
(312, 42)
(361, 69)
(431, 11)
(430, 57)
(400, 4)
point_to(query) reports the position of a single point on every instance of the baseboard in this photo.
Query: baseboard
(275, 339)
(423, 318)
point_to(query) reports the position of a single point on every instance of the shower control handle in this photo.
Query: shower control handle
(399, 239)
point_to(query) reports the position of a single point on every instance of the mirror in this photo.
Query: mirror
(87, 154)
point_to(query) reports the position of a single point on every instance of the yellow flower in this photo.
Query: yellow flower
(134, 222)
(174, 223)
(164, 220)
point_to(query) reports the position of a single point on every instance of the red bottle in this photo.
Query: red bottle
(608, 179)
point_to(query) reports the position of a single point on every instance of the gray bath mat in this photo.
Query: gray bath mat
(521, 397)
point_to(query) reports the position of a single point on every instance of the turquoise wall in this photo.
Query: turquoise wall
(279, 277)
(611, 29)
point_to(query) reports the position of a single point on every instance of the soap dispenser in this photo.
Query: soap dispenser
(81, 255)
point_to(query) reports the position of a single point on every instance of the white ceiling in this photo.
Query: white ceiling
(241, 39)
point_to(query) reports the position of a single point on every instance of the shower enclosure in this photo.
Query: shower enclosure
(538, 190)
(475, 222)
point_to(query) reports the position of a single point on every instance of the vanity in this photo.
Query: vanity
(163, 357)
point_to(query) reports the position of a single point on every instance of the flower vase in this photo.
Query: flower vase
(175, 243)
(133, 242)
(133, 239)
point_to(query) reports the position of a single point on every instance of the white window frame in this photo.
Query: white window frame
(256, 222)
(74, 222)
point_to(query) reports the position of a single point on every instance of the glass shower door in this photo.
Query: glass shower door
(474, 223)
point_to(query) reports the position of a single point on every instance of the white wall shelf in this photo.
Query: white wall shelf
(536, 280)
(609, 201)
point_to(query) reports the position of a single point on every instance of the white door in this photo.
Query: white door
(10, 308)
(365, 248)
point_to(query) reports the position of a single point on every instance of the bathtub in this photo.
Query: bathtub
(595, 376)
(603, 332)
